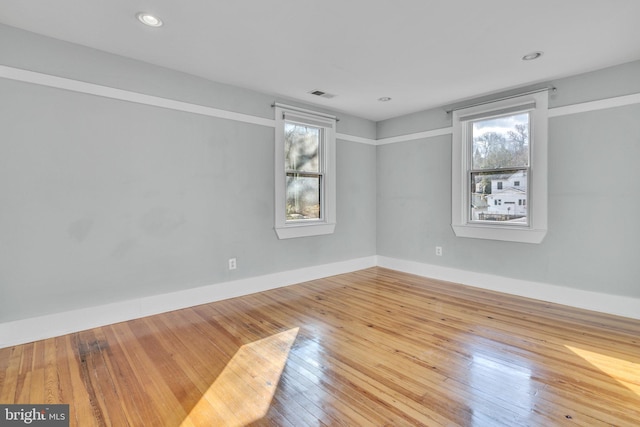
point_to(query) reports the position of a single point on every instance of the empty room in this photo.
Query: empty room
(305, 213)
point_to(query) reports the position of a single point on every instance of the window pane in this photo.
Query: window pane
(501, 142)
(303, 197)
(499, 196)
(301, 146)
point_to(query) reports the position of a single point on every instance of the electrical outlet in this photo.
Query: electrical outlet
(232, 264)
(439, 250)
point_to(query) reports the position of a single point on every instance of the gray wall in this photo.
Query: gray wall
(105, 200)
(593, 242)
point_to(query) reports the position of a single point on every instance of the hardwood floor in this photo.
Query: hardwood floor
(370, 348)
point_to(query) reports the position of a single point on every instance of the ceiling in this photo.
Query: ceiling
(421, 53)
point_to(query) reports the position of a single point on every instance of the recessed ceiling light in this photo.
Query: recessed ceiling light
(531, 56)
(384, 99)
(148, 19)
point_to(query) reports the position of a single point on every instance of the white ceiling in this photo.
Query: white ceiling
(421, 53)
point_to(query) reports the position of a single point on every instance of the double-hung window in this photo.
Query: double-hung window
(305, 183)
(499, 170)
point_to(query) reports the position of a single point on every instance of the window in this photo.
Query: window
(500, 157)
(304, 173)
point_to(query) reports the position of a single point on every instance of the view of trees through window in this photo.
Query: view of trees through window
(303, 171)
(499, 168)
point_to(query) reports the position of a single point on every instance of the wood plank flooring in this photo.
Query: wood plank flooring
(369, 348)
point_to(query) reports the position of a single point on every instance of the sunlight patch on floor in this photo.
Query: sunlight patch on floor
(243, 391)
(619, 369)
(508, 381)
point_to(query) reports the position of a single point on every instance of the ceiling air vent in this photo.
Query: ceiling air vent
(321, 94)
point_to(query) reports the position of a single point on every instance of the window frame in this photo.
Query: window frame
(287, 229)
(533, 232)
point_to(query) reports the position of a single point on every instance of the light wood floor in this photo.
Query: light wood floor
(369, 348)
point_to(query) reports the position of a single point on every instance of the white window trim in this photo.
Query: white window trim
(326, 225)
(536, 230)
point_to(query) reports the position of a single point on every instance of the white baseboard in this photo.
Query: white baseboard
(596, 301)
(52, 325)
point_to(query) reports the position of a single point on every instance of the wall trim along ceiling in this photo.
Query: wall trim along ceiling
(156, 101)
(140, 98)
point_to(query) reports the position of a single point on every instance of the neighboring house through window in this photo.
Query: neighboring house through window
(500, 162)
(305, 182)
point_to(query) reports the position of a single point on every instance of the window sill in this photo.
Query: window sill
(522, 235)
(304, 230)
